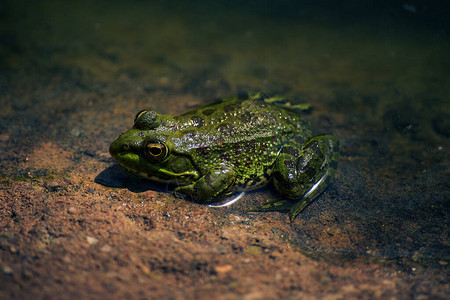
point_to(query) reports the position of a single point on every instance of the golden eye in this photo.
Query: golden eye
(139, 114)
(156, 152)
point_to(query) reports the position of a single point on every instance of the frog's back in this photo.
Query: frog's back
(233, 120)
(247, 134)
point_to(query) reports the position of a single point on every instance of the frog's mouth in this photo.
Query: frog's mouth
(155, 172)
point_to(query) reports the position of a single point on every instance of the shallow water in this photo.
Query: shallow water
(73, 75)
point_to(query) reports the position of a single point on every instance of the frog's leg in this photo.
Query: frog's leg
(215, 183)
(284, 169)
(302, 171)
(306, 175)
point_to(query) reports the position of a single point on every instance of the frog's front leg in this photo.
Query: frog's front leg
(216, 182)
(302, 171)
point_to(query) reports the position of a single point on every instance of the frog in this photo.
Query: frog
(231, 145)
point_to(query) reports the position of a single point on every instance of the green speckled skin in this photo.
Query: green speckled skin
(228, 145)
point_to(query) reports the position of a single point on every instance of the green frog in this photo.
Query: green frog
(229, 145)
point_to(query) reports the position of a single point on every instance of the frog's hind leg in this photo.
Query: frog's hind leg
(303, 172)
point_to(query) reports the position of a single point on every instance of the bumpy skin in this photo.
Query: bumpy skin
(228, 145)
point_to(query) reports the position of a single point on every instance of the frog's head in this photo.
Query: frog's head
(147, 149)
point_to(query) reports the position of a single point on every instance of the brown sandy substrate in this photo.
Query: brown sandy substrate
(64, 236)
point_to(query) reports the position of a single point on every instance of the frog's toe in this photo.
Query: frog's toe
(276, 205)
(297, 208)
(178, 194)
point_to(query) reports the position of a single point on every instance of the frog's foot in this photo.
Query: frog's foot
(304, 171)
(272, 205)
(294, 208)
(216, 183)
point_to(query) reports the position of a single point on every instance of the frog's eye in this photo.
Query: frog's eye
(139, 114)
(156, 152)
(147, 120)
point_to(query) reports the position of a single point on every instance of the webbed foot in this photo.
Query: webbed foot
(302, 172)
